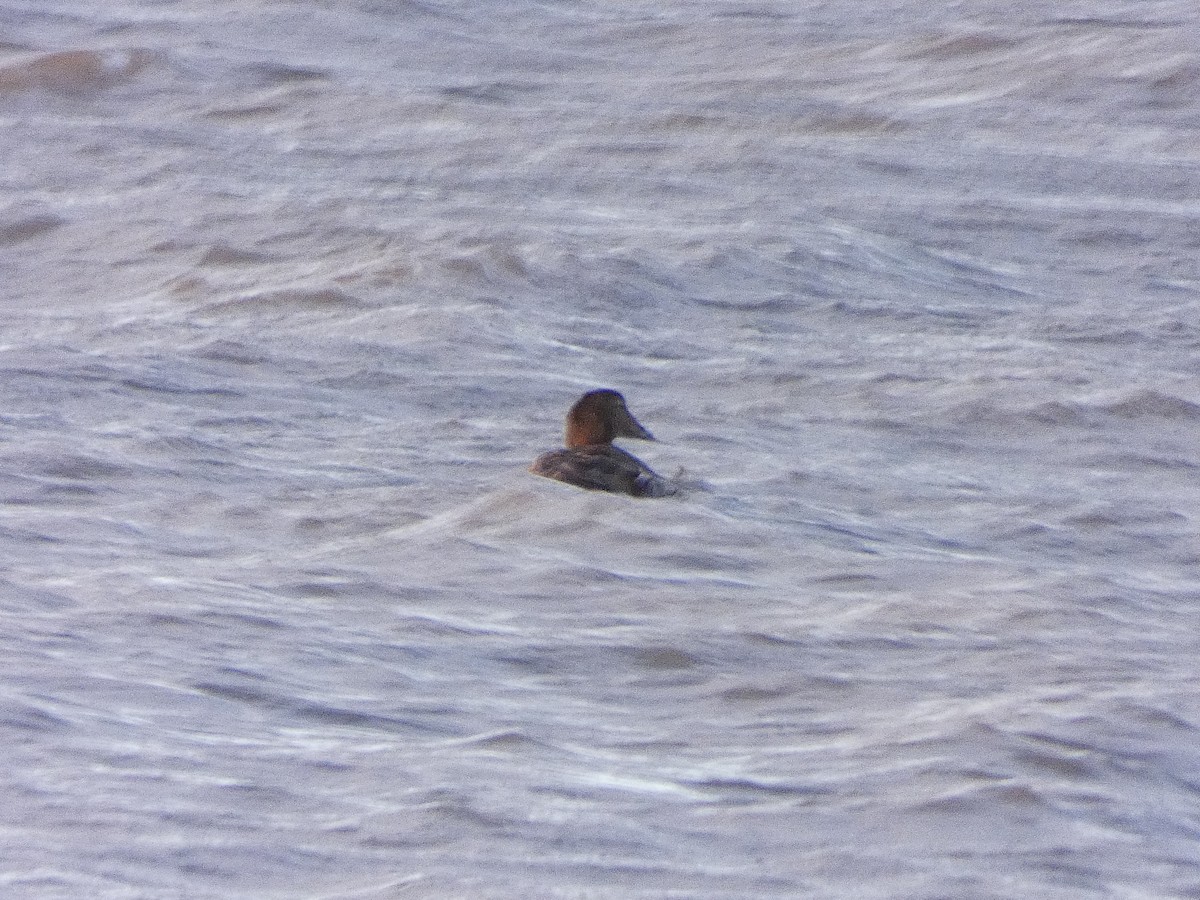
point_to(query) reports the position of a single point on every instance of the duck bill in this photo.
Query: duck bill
(632, 428)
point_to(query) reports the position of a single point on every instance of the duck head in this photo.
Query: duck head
(599, 416)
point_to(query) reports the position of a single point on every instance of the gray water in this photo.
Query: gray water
(291, 293)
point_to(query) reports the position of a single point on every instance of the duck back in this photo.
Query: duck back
(602, 467)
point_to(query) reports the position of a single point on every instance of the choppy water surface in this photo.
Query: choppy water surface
(293, 292)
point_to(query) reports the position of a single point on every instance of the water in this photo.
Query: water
(293, 292)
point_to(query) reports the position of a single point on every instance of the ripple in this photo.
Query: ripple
(74, 71)
(663, 658)
(1153, 404)
(29, 227)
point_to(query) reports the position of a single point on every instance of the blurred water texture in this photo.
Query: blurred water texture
(292, 293)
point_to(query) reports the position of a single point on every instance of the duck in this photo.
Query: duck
(591, 461)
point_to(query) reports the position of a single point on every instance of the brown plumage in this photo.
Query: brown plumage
(591, 461)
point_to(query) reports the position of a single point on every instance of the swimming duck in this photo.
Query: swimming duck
(591, 461)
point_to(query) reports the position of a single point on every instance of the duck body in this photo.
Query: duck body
(602, 467)
(591, 461)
